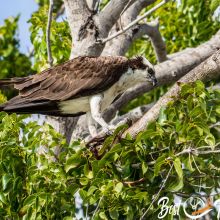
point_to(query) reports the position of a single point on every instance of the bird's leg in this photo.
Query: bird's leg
(95, 108)
(91, 125)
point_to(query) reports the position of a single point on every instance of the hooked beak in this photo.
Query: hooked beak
(152, 79)
(151, 76)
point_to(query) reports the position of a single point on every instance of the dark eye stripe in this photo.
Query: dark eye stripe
(151, 71)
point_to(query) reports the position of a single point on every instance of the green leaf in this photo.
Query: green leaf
(30, 200)
(3, 198)
(72, 162)
(175, 185)
(178, 167)
(114, 214)
(210, 140)
(144, 167)
(88, 173)
(118, 187)
(103, 216)
(162, 116)
(5, 180)
(159, 162)
(214, 4)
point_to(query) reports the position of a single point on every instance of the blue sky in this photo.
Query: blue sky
(25, 9)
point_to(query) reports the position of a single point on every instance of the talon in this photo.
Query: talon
(109, 130)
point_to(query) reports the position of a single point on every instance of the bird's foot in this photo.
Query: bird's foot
(109, 130)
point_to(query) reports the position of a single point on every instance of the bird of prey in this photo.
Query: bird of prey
(83, 85)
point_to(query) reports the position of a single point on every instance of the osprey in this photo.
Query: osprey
(83, 85)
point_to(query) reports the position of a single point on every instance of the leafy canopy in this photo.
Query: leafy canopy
(35, 182)
(121, 178)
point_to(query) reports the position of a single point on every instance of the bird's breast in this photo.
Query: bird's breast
(75, 105)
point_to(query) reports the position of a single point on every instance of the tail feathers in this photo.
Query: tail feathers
(44, 108)
(10, 81)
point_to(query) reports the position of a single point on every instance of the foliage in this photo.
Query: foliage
(12, 61)
(119, 179)
(34, 184)
(56, 4)
(60, 39)
(37, 184)
(214, 4)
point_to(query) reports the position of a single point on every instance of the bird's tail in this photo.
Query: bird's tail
(10, 81)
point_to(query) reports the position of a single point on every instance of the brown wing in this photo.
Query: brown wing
(81, 76)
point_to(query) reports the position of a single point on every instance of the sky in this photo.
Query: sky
(25, 8)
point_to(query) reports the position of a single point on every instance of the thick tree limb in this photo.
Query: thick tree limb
(133, 115)
(209, 69)
(110, 14)
(169, 71)
(133, 23)
(78, 16)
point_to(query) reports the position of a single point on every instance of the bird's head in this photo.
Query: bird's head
(143, 70)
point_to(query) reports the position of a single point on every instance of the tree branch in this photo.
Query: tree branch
(121, 44)
(103, 41)
(50, 14)
(209, 69)
(110, 14)
(169, 71)
(131, 116)
(77, 11)
(134, 183)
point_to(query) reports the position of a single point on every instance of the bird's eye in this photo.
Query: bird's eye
(151, 71)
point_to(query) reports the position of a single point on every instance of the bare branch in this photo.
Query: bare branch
(131, 116)
(50, 14)
(157, 41)
(110, 14)
(134, 183)
(133, 22)
(60, 11)
(209, 69)
(170, 71)
(121, 44)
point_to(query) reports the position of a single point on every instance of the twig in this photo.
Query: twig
(133, 22)
(191, 151)
(125, 8)
(215, 125)
(97, 5)
(155, 198)
(97, 208)
(50, 14)
(134, 183)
